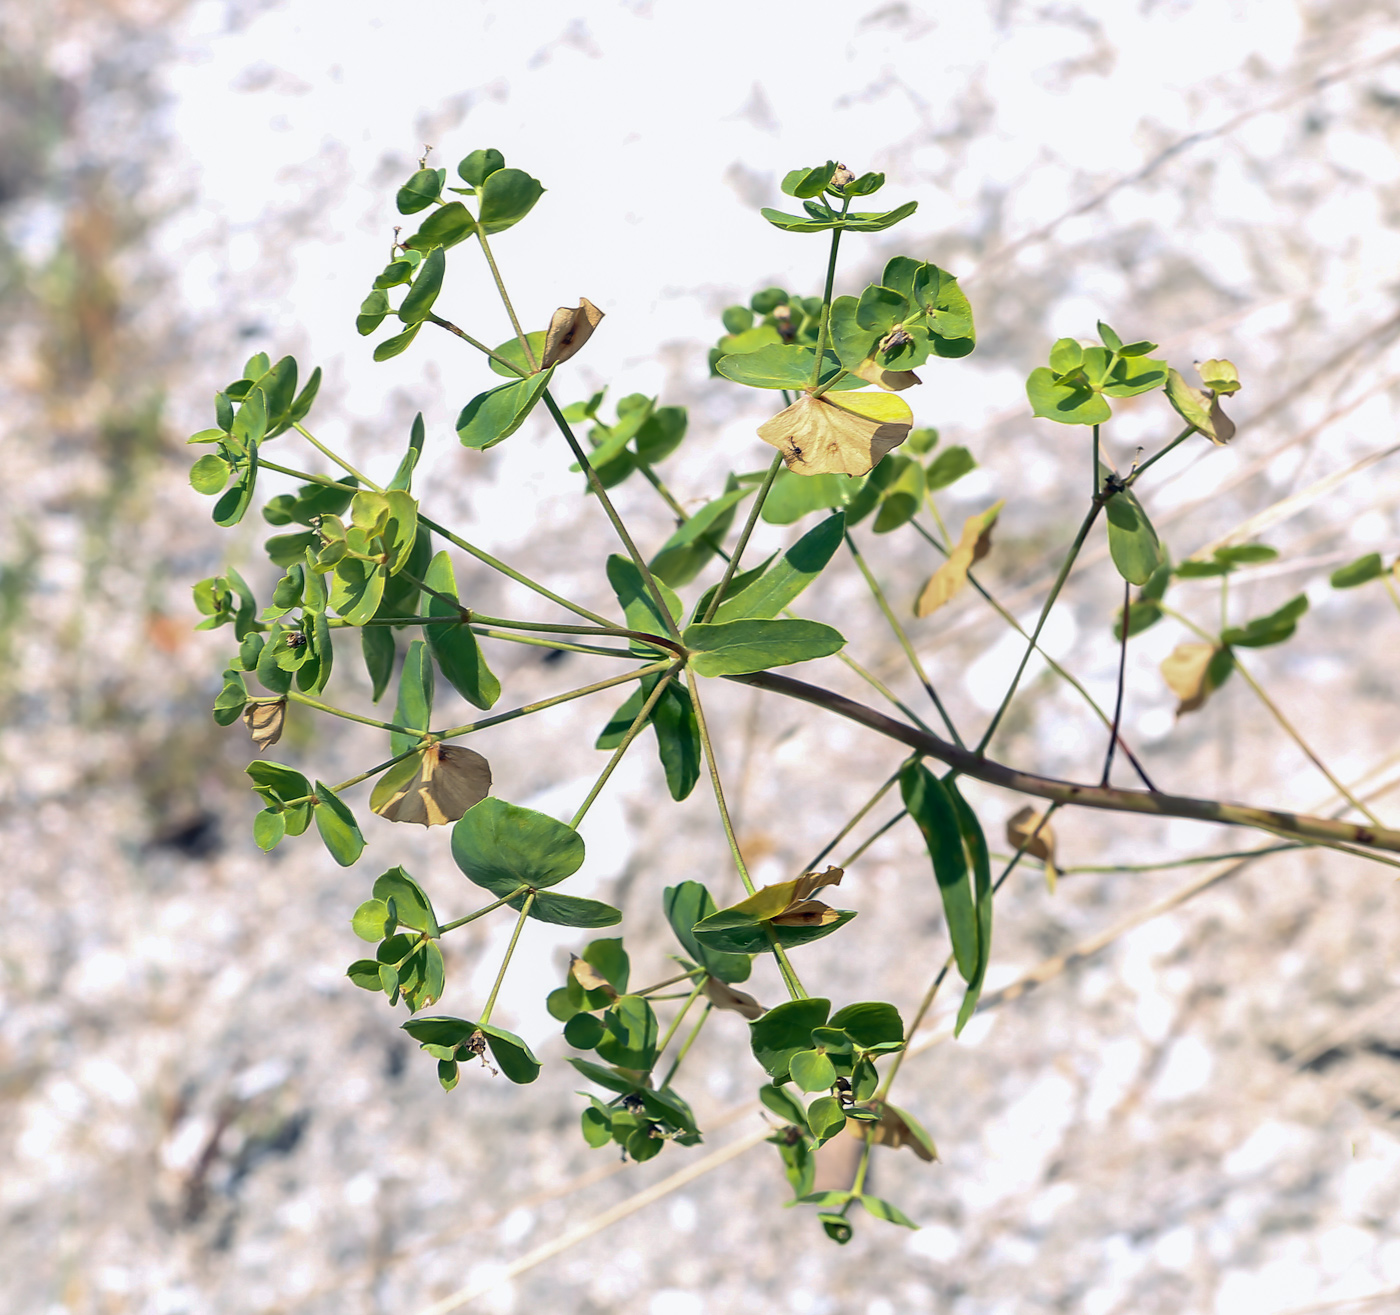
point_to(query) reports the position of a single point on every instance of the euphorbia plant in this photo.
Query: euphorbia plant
(360, 553)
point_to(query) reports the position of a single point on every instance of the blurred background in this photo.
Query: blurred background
(198, 1113)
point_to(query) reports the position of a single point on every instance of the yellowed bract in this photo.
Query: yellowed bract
(949, 579)
(823, 436)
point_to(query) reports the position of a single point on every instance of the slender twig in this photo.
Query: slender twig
(902, 637)
(854, 822)
(480, 913)
(505, 963)
(639, 721)
(1322, 831)
(824, 332)
(1065, 567)
(339, 461)
(606, 503)
(686, 1045)
(297, 697)
(678, 1019)
(505, 299)
(733, 564)
(1118, 704)
(480, 346)
(1151, 461)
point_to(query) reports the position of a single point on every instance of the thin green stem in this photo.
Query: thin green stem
(1096, 485)
(505, 963)
(794, 986)
(339, 461)
(1151, 461)
(558, 644)
(511, 573)
(902, 637)
(297, 697)
(733, 564)
(824, 333)
(863, 1168)
(670, 981)
(505, 300)
(472, 917)
(686, 1045)
(1054, 666)
(606, 503)
(1178, 862)
(497, 720)
(638, 722)
(865, 844)
(881, 688)
(679, 1018)
(480, 554)
(1122, 680)
(480, 346)
(1277, 713)
(854, 822)
(1390, 589)
(652, 478)
(1065, 567)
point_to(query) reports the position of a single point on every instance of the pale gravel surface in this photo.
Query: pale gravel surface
(197, 1112)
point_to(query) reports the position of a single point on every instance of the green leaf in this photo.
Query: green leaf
(687, 904)
(836, 1227)
(794, 496)
(420, 191)
(1361, 571)
(824, 1198)
(901, 483)
(373, 921)
(605, 1077)
(678, 739)
(737, 932)
(445, 227)
(597, 1128)
(391, 347)
(270, 672)
(782, 583)
(796, 223)
(1067, 403)
(570, 910)
(337, 826)
(1131, 539)
(373, 311)
(233, 698)
(737, 585)
(210, 474)
(865, 185)
(783, 1031)
(269, 826)
(948, 467)
(418, 304)
(610, 959)
(365, 974)
(516, 1059)
(403, 477)
(661, 433)
(812, 1070)
(502, 847)
(782, 1103)
(455, 647)
(1266, 630)
(870, 1023)
(492, 417)
(415, 703)
(584, 1031)
(1130, 376)
(784, 365)
(511, 351)
(875, 222)
(377, 645)
(825, 1117)
(309, 503)
(1245, 554)
(507, 196)
(979, 861)
(806, 183)
(479, 166)
(882, 1209)
(411, 906)
(737, 647)
(931, 808)
(685, 553)
(736, 319)
(632, 1033)
(638, 607)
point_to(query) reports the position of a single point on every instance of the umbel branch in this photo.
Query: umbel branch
(1155, 803)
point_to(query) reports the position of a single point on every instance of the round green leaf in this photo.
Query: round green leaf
(372, 921)
(209, 475)
(502, 846)
(337, 826)
(812, 1070)
(584, 1031)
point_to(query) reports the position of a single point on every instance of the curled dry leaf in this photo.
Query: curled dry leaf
(435, 786)
(790, 903)
(588, 977)
(949, 579)
(896, 1129)
(723, 996)
(1201, 407)
(820, 436)
(1029, 828)
(1186, 669)
(265, 721)
(892, 381)
(568, 331)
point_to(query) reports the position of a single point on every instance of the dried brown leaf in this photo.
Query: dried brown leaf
(951, 578)
(723, 996)
(892, 381)
(434, 787)
(568, 330)
(1186, 669)
(265, 721)
(895, 1131)
(1029, 828)
(588, 977)
(806, 913)
(826, 436)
